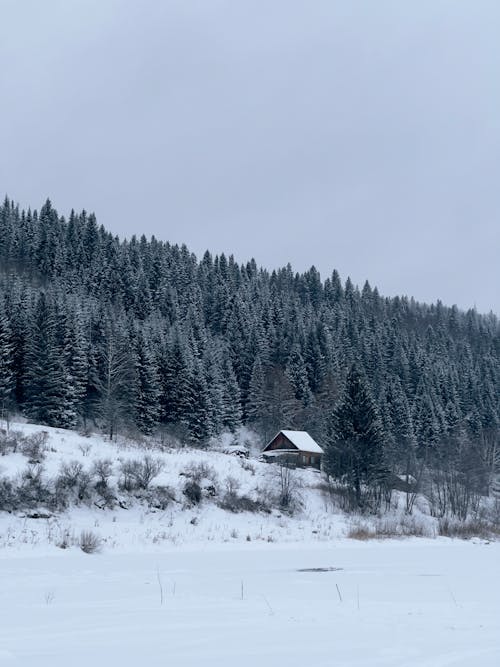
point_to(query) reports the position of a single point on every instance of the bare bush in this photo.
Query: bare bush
(192, 491)
(8, 495)
(199, 471)
(73, 479)
(287, 484)
(10, 441)
(102, 469)
(466, 529)
(390, 527)
(232, 502)
(159, 497)
(232, 485)
(139, 474)
(89, 542)
(85, 449)
(361, 531)
(34, 446)
(65, 541)
(33, 489)
(247, 466)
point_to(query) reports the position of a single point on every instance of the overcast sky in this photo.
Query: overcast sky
(361, 136)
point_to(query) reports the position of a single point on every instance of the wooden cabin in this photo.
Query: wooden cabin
(297, 447)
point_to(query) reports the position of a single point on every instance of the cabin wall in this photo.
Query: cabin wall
(308, 460)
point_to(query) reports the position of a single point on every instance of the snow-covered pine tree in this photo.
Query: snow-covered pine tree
(146, 389)
(7, 382)
(45, 383)
(355, 451)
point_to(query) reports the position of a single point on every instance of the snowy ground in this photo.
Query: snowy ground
(431, 603)
(180, 524)
(198, 585)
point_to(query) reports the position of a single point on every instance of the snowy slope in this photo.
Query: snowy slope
(180, 522)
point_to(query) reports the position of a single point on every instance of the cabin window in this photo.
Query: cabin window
(313, 460)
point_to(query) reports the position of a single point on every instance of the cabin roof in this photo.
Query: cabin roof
(302, 440)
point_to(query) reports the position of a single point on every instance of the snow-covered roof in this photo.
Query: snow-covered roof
(303, 441)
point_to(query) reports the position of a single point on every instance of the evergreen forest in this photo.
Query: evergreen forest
(141, 336)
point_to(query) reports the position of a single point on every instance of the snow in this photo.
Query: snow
(177, 525)
(303, 441)
(425, 603)
(199, 585)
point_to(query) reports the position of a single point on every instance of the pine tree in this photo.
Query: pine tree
(76, 370)
(296, 372)
(231, 398)
(197, 419)
(146, 387)
(45, 388)
(7, 384)
(355, 450)
(256, 407)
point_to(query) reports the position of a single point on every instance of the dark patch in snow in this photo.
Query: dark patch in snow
(319, 569)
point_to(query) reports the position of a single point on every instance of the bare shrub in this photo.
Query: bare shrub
(148, 470)
(232, 485)
(390, 527)
(85, 449)
(361, 531)
(160, 497)
(139, 474)
(102, 469)
(192, 491)
(10, 441)
(73, 479)
(70, 473)
(34, 446)
(89, 542)
(32, 488)
(8, 495)
(467, 529)
(247, 466)
(201, 470)
(287, 484)
(4, 446)
(127, 480)
(65, 540)
(232, 502)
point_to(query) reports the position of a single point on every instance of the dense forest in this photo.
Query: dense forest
(141, 335)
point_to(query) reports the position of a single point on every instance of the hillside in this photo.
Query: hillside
(137, 337)
(56, 485)
(194, 497)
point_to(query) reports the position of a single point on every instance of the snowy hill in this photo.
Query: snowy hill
(63, 484)
(168, 510)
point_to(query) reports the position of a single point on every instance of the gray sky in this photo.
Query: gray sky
(362, 136)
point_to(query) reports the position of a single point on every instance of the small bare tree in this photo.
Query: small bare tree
(140, 474)
(287, 483)
(102, 469)
(113, 385)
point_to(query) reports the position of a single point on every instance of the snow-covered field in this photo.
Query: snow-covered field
(431, 603)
